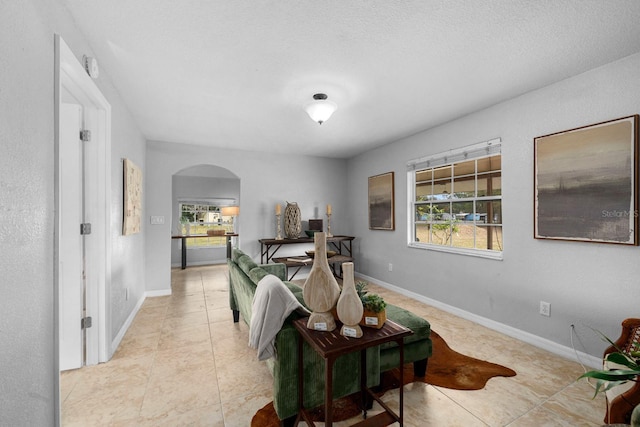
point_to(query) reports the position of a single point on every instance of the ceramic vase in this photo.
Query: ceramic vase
(292, 221)
(349, 304)
(321, 291)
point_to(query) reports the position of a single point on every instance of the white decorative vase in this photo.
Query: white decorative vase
(292, 221)
(349, 304)
(321, 291)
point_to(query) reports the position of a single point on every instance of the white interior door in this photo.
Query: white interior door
(70, 268)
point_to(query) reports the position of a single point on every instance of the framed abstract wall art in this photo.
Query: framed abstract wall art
(585, 183)
(381, 202)
(132, 205)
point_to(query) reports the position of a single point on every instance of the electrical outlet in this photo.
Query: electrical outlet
(157, 220)
(545, 308)
(390, 267)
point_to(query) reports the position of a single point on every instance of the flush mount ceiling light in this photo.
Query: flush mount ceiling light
(320, 109)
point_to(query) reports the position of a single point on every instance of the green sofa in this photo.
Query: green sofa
(244, 275)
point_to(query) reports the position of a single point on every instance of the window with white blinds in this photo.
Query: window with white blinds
(455, 200)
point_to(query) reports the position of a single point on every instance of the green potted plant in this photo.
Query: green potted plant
(374, 306)
(624, 366)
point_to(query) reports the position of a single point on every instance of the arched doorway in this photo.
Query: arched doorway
(199, 194)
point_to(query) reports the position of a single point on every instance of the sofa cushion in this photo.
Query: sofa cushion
(256, 274)
(420, 327)
(246, 264)
(235, 254)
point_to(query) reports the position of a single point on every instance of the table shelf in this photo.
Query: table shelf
(342, 244)
(331, 345)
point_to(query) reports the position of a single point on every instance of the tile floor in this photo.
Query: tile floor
(184, 362)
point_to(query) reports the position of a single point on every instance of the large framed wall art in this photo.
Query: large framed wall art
(132, 204)
(586, 183)
(381, 202)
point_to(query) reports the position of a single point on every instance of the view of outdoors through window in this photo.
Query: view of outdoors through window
(199, 219)
(460, 204)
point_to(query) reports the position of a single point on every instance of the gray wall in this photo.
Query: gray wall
(196, 188)
(265, 180)
(27, 368)
(587, 284)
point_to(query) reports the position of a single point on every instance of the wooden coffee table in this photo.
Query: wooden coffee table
(330, 346)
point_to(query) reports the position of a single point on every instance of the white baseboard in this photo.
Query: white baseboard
(159, 293)
(543, 343)
(125, 327)
(198, 263)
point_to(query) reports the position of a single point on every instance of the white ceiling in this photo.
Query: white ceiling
(236, 74)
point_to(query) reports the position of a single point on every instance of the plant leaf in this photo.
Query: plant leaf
(622, 359)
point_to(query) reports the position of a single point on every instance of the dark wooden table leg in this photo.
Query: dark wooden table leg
(300, 381)
(401, 345)
(363, 381)
(328, 392)
(184, 252)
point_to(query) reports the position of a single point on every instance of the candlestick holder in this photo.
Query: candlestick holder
(329, 225)
(279, 230)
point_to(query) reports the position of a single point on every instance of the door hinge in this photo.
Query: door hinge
(85, 322)
(85, 228)
(85, 135)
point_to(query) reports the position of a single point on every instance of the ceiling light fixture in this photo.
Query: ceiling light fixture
(320, 109)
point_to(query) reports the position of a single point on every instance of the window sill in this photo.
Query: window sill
(495, 255)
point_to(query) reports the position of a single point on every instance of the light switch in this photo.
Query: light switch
(157, 220)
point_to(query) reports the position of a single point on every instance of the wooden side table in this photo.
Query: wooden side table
(331, 345)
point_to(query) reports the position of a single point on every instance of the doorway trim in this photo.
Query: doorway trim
(70, 75)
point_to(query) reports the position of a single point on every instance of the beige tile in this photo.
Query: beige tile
(541, 417)
(177, 360)
(184, 362)
(102, 410)
(185, 307)
(68, 380)
(221, 314)
(490, 404)
(242, 377)
(217, 298)
(575, 403)
(182, 337)
(181, 288)
(185, 320)
(424, 405)
(209, 416)
(171, 395)
(137, 344)
(187, 298)
(239, 411)
(150, 302)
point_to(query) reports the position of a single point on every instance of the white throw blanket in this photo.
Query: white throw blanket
(272, 303)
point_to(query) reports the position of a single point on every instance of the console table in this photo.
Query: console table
(342, 244)
(330, 346)
(192, 236)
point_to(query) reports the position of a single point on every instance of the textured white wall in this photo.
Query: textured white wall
(26, 216)
(587, 284)
(265, 180)
(27, 368)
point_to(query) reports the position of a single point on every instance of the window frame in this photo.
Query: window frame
(450, 160)
(212, 241)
